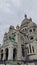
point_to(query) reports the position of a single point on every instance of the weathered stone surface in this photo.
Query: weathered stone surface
(21, 43)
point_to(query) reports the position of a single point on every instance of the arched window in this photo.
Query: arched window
(33, 29)
(30, 49)
(6, 50)
(25, 29)
(30, 30)
(1, 54)
(33, 49)
(31, 38)
(14, 53)
(36, 39)
(27, 49)
(23, 53)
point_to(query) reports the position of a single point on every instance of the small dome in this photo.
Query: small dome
(17, 27)
(11, 27)
(31, 24)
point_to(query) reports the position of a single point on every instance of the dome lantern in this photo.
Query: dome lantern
(25, 16)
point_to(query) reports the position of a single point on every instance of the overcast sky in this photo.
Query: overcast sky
(12, 12)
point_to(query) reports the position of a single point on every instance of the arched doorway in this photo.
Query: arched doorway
(6, 50)
(18, 64)
(14, 53)
(2, 54)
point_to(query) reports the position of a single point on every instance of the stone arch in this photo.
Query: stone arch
(18, 64)
(2, 54)
(6, 50)
(14, 53)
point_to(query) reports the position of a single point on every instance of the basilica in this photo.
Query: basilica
(20, 43)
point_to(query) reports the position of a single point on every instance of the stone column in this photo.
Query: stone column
(19, 46)
(10, 57)
(3, 54)
(19, 52)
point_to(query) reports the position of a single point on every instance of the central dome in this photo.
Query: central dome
(25, 21)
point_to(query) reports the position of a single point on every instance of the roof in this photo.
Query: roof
(27, 22)
(31, 24)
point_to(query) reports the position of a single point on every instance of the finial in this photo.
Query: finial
(25, 16)
(5, 33)
(11, 27)
(17, 27)
(30, 19)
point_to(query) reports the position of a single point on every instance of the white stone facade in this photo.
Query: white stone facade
(20, 43)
